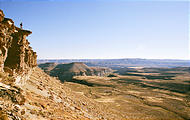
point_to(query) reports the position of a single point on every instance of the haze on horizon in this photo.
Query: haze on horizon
(81, 29)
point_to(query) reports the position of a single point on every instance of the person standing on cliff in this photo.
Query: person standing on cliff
(21, 25)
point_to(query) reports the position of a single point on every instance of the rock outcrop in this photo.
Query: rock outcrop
(16, 56)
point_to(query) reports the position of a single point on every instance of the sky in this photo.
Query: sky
(104, 29)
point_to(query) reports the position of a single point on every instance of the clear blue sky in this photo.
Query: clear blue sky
(104, 28)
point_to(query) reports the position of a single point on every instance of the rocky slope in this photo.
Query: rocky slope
(67, 71)
(45, 98)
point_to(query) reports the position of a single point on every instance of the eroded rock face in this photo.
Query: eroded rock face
(16, 56)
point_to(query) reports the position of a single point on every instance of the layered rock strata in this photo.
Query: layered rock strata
(16, 56)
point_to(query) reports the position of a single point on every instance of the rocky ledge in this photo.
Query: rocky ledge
(16, 56)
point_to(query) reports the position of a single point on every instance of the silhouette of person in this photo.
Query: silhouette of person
(21, 25)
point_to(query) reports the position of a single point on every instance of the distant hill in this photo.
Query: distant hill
(121, 63)
(67, 71)
(47, 67)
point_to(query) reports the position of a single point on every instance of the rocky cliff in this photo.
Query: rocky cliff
(16, 56)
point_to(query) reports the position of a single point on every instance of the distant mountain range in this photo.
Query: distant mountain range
(122, 63)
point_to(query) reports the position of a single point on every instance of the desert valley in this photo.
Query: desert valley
(87, 89)
(131, 92)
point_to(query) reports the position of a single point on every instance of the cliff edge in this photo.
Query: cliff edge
(16, 56)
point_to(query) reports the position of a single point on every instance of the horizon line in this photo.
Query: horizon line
(109, 58)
